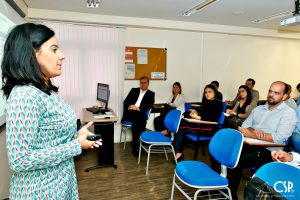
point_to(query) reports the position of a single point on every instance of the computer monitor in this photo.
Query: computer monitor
(103, 93)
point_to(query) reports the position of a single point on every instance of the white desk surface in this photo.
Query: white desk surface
(88, 116)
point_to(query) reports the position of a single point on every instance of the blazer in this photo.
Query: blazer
(178, 102)
(147, 101)
(248, 109)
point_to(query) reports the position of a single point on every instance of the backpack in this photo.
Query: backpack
(258, 189)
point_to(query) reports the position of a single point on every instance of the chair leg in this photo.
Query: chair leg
(148, 159)
(140, 149)
(125, 133)
(173, 153)
(196, 194)
(229, 194)
(122, 129)
(173, 187)
(166, 153)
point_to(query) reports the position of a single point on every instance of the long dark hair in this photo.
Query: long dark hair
(19, 64)
(178, 85)
(210, 86)
(249, 95)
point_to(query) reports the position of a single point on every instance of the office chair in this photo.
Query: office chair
(283, 177)
(127, 125)
(205, 129)
(200, 176)
(187, 106)
(156, 142)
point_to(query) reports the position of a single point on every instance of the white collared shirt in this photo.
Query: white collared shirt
(296, 157)
(141, 96)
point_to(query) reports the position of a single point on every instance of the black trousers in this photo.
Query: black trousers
(159, 123)
(251, 156)
(189, 128)
(139, 121)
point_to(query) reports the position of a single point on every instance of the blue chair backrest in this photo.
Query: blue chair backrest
(226, 146)
(172, 120)
(221, 120)
(222, 116)
(224, 106)
(275, 173)
(187, 106)
(148, 112)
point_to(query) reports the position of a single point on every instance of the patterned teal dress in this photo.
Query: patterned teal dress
(41, 142)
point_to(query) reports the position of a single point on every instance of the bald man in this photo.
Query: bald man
(273, 122)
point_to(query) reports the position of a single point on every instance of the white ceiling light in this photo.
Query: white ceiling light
(275, 16)
(93, 3)
(198, 7)
(282, 14)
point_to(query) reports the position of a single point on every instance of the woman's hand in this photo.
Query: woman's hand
(230, 112)
(193, 114)
(83, 133)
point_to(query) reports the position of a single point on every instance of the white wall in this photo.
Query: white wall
(183, 60)
(195, 59)
(232, 59)
(199, 53)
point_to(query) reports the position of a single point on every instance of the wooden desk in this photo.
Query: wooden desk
(159, 107)
(105, 127)
(88, 116)
(256, 142)
(196, 121)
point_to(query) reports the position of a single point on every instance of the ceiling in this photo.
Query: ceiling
(225, 12)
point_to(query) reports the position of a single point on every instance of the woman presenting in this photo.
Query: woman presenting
(40, 126)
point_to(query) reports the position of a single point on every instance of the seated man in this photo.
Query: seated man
(219, 95)
(273, 122)
(254, 93)
(136, 104)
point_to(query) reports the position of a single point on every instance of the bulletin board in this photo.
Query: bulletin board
(143, 61)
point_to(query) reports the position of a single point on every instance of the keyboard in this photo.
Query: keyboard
(96, 110)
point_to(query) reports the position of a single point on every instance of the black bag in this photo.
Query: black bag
(233, 122)
(258, 189)
(168, 108)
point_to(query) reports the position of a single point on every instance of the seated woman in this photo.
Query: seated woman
(210, 110)
(241, 110)
(176, 101)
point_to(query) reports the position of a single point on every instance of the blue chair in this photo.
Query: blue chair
(187, 106)
(127, 125)
(284, 178)
(156, 142)
(206, 129)
(200, 176)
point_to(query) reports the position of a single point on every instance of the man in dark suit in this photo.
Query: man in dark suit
(136, 104)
